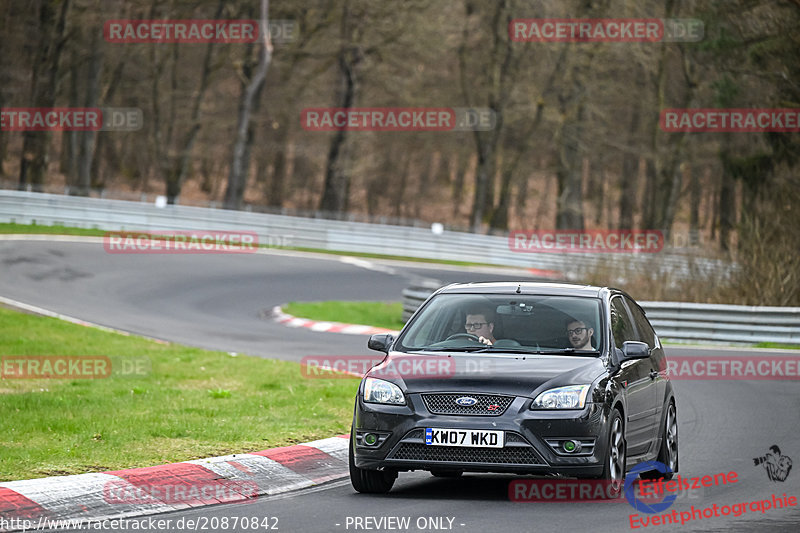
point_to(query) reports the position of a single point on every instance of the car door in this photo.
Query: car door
(646, 334)
(634, 376)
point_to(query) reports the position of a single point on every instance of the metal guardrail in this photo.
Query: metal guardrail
(672, 320)
(281, 230)
(686, 322)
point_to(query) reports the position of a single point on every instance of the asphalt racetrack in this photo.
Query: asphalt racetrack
(220, 301)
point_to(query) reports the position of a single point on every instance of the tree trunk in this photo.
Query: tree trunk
(237, 176)
(500, 71)
(667, 148)
(569, 203)
(336, 190)
(87, 138)
(277, 183)
(52, 22)
(694, 205)
(462, 164)
(727, 199)
(177, 174)
(70, 145)
(499, 218)
(630, 171)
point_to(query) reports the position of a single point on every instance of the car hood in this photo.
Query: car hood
(518, 374)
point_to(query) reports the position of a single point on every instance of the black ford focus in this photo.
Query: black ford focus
(527, 378)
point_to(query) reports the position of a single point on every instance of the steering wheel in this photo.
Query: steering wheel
(463, 336)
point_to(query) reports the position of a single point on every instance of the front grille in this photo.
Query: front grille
(518, 455)
(487, 405)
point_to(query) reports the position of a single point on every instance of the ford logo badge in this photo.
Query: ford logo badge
(466, 401)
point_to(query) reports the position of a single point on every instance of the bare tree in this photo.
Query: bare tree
(237, 176)
(177, 173)
(52, 23)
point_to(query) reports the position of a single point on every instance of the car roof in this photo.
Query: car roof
(526, 287)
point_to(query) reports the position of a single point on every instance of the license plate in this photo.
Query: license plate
(467, 438)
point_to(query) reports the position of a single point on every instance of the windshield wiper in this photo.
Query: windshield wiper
(469, 349)
(510, 349)
(568, 351)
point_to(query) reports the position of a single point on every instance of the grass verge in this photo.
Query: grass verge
(777, 346)
(48, 230)
(192, 403)
(377, 314)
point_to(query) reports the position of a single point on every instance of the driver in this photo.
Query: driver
(579, 335)
(480, 322)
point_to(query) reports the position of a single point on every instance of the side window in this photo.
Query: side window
(644, 330)
(621, 326)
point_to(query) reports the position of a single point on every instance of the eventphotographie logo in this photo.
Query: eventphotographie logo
(777, 465)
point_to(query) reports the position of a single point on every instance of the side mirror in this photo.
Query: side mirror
(635, 350)
(380, 342)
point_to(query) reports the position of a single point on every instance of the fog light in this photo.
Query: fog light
(571, 446)
(370, 439)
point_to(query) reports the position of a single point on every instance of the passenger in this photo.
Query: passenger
(579, 335)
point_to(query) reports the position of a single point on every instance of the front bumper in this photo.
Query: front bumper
(532, 444)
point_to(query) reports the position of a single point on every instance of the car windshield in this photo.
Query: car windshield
(518, 323)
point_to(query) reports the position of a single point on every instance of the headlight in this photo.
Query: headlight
(571, 397)
(380, 391)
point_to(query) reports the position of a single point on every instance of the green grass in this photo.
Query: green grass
(49, 230)
(192, 403)
(65, 230)
(397, 257)
(777, 346)
(378, 314)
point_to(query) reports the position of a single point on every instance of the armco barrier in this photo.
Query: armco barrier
(114, 215)
(674, 321)
(687, 322)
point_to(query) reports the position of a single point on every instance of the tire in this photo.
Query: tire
(614, 460)
(668, 453)
(447, 473)
(369, 481)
